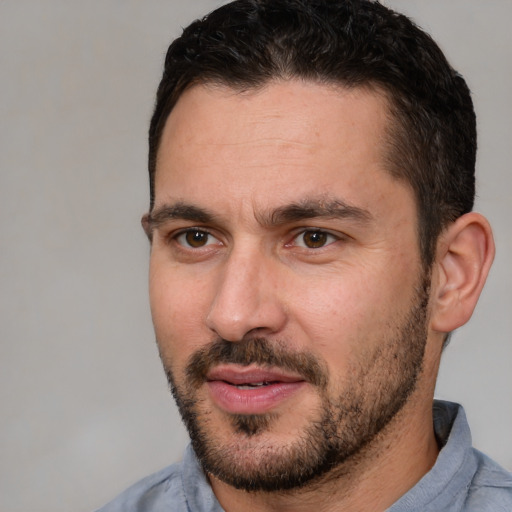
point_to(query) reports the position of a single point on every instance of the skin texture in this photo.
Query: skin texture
(276, 223)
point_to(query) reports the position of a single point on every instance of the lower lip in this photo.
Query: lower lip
(251, 401)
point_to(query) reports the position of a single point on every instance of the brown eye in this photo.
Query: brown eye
(195, 238)
(314, 239)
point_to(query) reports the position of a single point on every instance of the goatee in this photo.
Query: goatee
(337, 429)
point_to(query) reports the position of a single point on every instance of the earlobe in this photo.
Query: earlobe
(465, 253)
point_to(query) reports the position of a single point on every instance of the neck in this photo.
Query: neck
(371, 481)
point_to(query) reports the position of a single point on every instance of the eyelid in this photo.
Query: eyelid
(336, 235)
(215, 239)
(212, 239)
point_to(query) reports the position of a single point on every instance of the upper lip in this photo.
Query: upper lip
(239, 375)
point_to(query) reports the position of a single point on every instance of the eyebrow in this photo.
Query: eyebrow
(309, 208)
(316, 208)
(180, 210)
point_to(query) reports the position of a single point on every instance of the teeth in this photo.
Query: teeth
(252, 385)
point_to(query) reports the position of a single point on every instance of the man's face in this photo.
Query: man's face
(286, 286)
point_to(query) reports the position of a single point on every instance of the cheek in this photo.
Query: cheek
(334, 320)
(176, 309)
(351, 314)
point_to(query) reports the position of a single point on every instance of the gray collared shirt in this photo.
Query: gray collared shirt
(462, 479)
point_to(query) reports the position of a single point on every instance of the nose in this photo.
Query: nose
(247, 297)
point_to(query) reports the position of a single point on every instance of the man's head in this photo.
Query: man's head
(293, 148)
(431, 137)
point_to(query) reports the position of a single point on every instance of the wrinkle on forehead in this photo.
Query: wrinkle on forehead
(263, 141)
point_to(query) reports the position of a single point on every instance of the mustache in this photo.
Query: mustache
(259, 351)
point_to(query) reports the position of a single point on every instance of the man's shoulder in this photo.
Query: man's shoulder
(152, 493)
(181, 487)
(491, 486)
(463, 479)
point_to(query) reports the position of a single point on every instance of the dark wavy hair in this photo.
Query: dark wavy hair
(350, 43)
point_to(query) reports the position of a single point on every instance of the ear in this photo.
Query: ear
(465, 252)
(146, 226)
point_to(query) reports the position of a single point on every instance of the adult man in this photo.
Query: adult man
(312, 247)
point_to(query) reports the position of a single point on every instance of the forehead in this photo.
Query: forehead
(277, 143)
(305, 110)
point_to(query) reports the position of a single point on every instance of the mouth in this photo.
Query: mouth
(251, 390)
(252, 385)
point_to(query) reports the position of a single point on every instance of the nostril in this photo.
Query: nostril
(257, 331)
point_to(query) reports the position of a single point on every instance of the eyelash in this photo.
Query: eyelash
(193, 231)
(326, 238)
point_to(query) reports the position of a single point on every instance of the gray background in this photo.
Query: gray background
(85, 409)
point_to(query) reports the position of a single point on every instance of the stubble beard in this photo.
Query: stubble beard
(377, 390)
